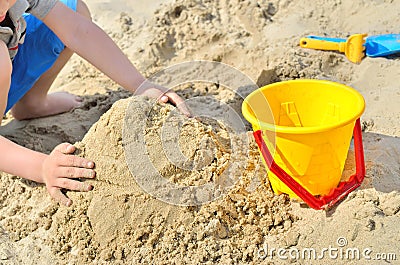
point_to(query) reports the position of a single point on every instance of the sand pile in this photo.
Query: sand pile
(187, 152)
(119, 221)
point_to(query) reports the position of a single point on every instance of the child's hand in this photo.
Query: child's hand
(164, 95)
(61, 169)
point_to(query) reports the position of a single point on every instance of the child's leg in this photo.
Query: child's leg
(36, 102)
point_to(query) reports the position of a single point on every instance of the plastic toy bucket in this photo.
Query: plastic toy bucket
(303, 129)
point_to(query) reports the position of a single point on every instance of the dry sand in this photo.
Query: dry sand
(120, 223)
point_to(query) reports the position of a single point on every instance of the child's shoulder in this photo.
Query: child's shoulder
(38, 8)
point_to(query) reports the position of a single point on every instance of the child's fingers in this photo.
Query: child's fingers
(185, 110)
(74, 161)
(65, 148)
(164, 95)
(73, 184)
(75, 172)
(57, 195)
(164, 99)
(179, 103)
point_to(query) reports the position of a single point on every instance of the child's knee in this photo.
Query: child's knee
(83, 9)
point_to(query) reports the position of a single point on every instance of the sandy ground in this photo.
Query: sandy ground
(120, 223)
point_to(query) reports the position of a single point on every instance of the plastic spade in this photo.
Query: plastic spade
(356, 46)
(353, 47)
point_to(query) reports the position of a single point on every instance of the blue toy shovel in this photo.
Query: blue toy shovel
(382, 45)
(355, 45)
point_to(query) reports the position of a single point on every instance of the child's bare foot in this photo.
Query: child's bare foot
(54, 103)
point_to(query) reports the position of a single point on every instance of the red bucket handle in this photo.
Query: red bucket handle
(336, 194)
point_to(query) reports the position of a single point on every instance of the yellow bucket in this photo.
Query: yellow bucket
(307, 126)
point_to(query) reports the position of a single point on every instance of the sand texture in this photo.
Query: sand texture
(140, 146)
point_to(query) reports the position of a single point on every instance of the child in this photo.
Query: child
(34, 47)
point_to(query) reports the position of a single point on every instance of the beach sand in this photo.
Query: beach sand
(120, 222)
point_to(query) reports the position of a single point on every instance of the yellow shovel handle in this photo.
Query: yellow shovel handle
(320, 44)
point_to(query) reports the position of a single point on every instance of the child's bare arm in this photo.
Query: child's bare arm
(5, 76)
(57, 170)
(92, 43)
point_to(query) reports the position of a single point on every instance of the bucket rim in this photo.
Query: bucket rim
(309, 129)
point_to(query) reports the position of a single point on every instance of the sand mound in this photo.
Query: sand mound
(119, 221)
(186, 151)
